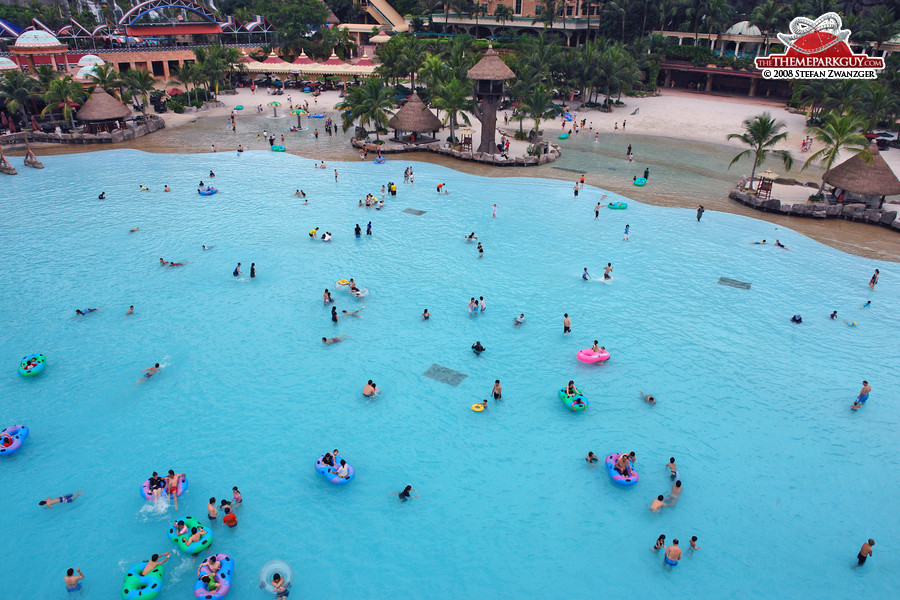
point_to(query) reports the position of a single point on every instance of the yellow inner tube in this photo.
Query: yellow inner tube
(342, 282)
(477, 407)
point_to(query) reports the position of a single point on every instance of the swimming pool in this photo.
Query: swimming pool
(754, 409)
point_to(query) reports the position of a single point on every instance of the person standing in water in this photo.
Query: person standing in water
(607, 270)
(72, 580)
(874, 281)
(700, 211)
(252, 270)
(864, 553)
(567, 324)
(863, 395)
(237, 270)
(404, 495)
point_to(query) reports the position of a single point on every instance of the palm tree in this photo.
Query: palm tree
(503, 13)
(876, 105)
(107, 78)
(411, 57)
(769, 16)
(16, 89)
(391, 57)
(63, 94)
(616, 71)
(453, 97)
(546, 12)
(429, 7)
(841, 95)
(140, 82)
(183, 75)
(837, 133)
(882, 25)
(762, 133)
(618, 9)
(539, 106)
(719, 16)
(370, 103)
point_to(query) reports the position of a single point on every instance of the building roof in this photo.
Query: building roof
(865, 178)
(102, 107)
(743, 28)
(333, 60)
(273, 59)
(90, 59)
(379, 38)
(7, 65)
(303, 59)
(365, 61)
(414, 116)
(491, 67)
(85, 72)
(38, 39)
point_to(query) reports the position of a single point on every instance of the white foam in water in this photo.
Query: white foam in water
(153, 510)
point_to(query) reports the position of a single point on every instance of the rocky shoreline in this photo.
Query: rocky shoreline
(553, 152)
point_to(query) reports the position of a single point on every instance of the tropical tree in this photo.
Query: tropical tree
(769, 16)
(841, 95)
(140, 83)
(45, 74)
(411, 51)
(63, 94)
(618, 9)
(719, 16)
(882, 25)
(546, 12)
(539, 106)
(184, 75)
(429, 7)
(836, 134)
(453, 98)
(370, 103)
(876, 105)
(761, 134)
(16, 89)
(107, 78)
(391, 57)
(616, 72)
(503, 13)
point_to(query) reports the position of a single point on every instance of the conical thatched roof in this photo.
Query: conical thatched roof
(102, 107)
(414, 116)
(491, 67)
(859, 177)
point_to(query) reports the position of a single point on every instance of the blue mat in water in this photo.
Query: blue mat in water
(734, 283)
(414, 211)
(444, 375)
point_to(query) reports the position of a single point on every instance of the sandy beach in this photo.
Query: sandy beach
(678, 116)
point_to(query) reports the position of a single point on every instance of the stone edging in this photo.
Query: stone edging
(818, 210)
(131, 131)
(479, 157)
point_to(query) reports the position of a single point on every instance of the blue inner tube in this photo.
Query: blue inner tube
(640, 181)
(379, 160)
(277, 148)
(207, 192)
(317, 116)
(327, 473)
(17, 433)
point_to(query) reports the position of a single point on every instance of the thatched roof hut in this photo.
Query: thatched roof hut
(414, 117)
(102, 107)
(862, 178)
(491, 67)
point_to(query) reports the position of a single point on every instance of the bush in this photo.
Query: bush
(197, 103)
(817, 198)
(520, 135)
(175, 105)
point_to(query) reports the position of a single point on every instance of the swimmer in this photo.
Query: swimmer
(864, 553)
(166, 188)
(334, 340)
(148, 373)
(648, 398)
(863, 395)
(404, 495)
(211, 563)
(342, 471)
(673, 554)
(130, 310)
(519, 320)
(694, 545)
(797, 319)
(236, 496)
(607, 270)
(624, 463)
(370, 389)
(173, 479)
(440, 187)
(586, 276)
(480, 251)
(163, 263)
(326, 237)
(833, 315)
(758, 243)
(354, 313)
(86, 311)
(197, 534)
(874, 280)
(326, 297)
(72, 580)
(850, 323)
(660, 542)
(64, 499)
(205, 247)
(675, 493)
(477, 348)
(154, 562)
(471, 237)
(497, 390)
(780, 245)
(426, 315)
(175, 264)
(279, 586)
(252, 270)
(200, 184)
(867, 304)
(591, 459)
(481, 300)
(133, 230)
(596, 347)
(237, 270)
(673, 470)
(334, 316)
(211, 174)
(567, 324)
(313, 233)
(145, 189)
(657, 504)
(102, 196)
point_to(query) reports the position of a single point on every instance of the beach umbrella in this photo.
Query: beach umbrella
(885, 134)
(870, 136)
(298, 112)
(768, 174)
(274, 106)
(174, 92)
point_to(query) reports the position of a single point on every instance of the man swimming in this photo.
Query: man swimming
(148, 373)
(426, 315)
(354, 313)
(867, 304)
(477, 348)
(759, 243)
(519, 320)
(675, 493)
(154, 562)
(607, 270)
(648, 398)
(64, 499)
(586, 276)
(863, 395)
(780, 245)
(86, 311)
(591, 458)
(657, 504)
(335, 340)
(370, 389)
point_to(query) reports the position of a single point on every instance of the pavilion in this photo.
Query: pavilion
(37, 42)
(414, 117)
(865, 182)
(101, 111)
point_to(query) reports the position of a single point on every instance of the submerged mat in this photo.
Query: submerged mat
(414, 211)
(444, 375)
(734, 283)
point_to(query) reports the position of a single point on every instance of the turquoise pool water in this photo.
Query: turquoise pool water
(782, 481)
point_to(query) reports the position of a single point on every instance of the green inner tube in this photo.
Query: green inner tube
(563, 136)
(617, 205)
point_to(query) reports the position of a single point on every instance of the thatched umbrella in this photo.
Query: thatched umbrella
(102, 107)
(415, 117)
(274, 106)
(862, 178)
(298, 112)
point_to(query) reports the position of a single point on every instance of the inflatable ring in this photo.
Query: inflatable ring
(576, 402)
(145, 587)
(563, 136)
(271, 568)
(330, 475)
(146, 494)
(640, 181)
(181, 539)
(589, 356)
(26, 371)
(317, 116)
(630, 479)
(222, 578)
(342, 282)
(618, 205)
(207, 192)
(239, 107)
(277, 148)
(478, 407)
(379, 160)
(16, 435)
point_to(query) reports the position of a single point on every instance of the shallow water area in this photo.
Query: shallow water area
(754, 408)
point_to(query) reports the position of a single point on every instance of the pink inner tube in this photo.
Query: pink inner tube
(632, 476)
(589, 356)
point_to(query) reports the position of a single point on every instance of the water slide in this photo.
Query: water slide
(385, 14)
